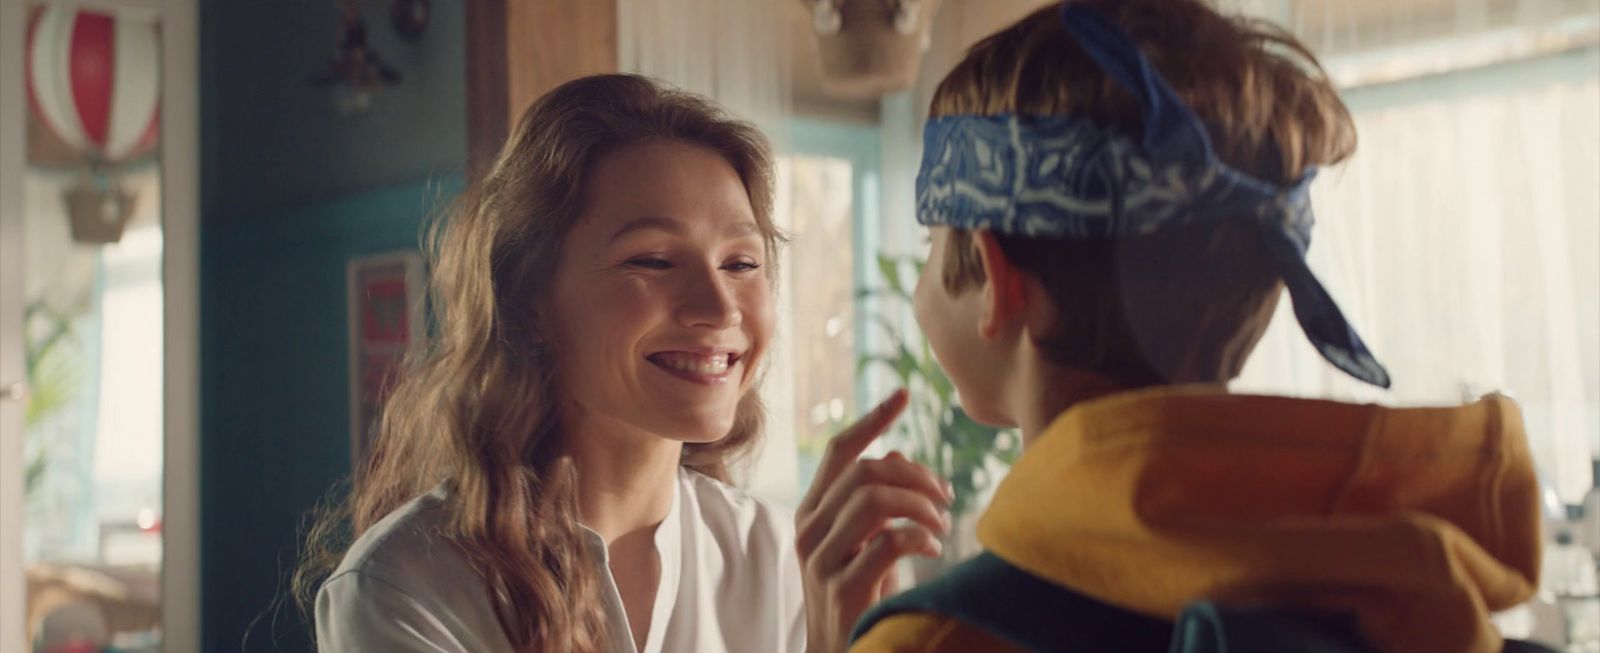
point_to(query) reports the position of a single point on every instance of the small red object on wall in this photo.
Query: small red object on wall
(385, 312)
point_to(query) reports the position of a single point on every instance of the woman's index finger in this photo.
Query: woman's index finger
(848, 445)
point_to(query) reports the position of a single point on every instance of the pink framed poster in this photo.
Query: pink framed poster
(384, 300)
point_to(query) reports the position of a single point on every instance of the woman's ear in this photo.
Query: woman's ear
(1004, 295)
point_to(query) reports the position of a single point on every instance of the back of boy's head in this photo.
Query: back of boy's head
(1181, 306)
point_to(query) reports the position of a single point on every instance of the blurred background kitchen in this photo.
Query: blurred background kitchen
(209, 217)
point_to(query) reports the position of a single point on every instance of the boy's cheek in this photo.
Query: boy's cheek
(935, 310)
(923, 300)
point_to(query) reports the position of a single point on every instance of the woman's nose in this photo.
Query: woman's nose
(708, 301)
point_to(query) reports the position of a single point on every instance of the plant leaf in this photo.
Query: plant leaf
(940, 382)
(872, 293)
(890, 269)
(896, 340)
(904, 370)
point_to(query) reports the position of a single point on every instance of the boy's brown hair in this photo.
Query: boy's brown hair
(1186, 305)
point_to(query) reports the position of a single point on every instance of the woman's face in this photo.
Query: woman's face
(661, 306)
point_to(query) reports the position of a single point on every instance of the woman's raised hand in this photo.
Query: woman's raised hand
(846, 532)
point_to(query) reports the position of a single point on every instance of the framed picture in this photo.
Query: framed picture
(383, 301)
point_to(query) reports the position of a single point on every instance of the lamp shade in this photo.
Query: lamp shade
(868, 48)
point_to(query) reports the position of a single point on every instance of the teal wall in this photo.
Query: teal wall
(275, 414)
(290, 191)
(270, 141)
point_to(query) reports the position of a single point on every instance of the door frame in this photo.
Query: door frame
(13, 132)
(180, 190)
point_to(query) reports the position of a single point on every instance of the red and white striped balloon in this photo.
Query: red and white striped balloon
(94, 79)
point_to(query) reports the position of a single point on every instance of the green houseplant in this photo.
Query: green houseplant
(938, 432)
(52, 374)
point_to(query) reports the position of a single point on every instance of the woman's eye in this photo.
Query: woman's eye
(650, 263)
(742, 265)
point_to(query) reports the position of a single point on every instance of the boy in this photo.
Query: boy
(1117, 193)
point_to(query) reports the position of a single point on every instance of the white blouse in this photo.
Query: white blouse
(730, 581)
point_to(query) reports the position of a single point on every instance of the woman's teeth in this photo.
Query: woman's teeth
(694, 363)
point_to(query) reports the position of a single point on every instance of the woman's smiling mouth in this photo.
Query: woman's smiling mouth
(710, 368)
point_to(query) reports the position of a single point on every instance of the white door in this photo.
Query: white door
(98, 293)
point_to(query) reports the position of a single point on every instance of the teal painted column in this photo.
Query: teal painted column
(275, 394)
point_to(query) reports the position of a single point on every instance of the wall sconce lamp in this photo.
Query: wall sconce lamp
(356, 71)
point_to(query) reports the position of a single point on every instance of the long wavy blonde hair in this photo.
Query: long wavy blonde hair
(476, 404)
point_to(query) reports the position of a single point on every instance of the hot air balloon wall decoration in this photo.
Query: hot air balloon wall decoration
(94, 88)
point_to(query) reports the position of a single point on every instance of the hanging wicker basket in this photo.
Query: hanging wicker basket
(98, 209)
(868, 48)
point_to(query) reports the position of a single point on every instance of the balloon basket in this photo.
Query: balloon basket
(98, 212)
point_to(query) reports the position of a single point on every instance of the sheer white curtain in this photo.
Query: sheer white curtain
(737, 53)
(734, 51)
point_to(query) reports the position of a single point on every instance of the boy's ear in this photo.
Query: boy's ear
(1004, 296)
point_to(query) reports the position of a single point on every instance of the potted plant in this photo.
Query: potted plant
(52, 377)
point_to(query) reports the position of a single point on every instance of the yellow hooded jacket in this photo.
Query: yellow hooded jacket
(1418, 522)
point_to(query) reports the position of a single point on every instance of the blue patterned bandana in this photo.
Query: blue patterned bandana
(1070, 177)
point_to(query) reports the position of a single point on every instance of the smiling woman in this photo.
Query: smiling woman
(551, 469)
(551, 472)
(662, 302)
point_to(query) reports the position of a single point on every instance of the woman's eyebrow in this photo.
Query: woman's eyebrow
(649, 222)
(676, 228)
(741, 229)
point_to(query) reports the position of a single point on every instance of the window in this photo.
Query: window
(827, 202)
